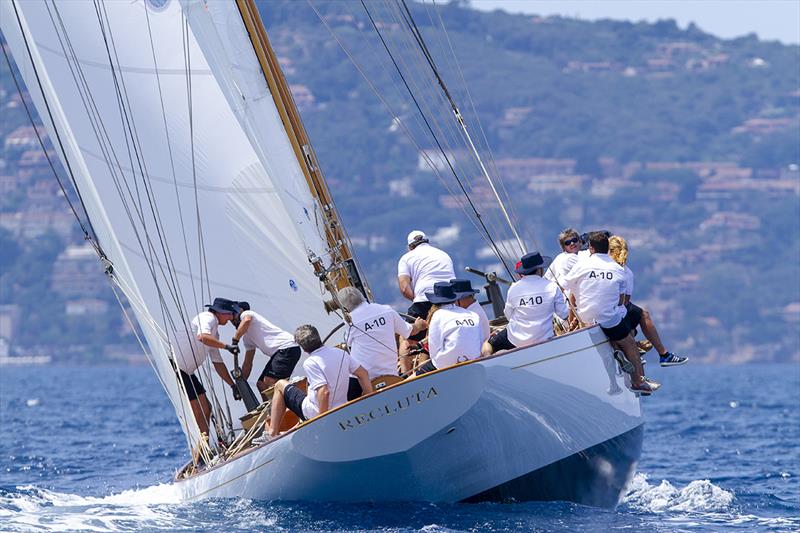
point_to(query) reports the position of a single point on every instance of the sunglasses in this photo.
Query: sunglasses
(570, 242)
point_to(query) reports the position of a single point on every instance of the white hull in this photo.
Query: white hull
(553, 421)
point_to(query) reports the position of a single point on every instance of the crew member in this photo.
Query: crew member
(570, 243)
(454, 333)
(417, 271)
(371, 335)
(327, 370)
(466, 299)
(637, 316)
(530, 305)
(257, 332)
(192, 349)
(600, 282)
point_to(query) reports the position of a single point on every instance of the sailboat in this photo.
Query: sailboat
(178, 131)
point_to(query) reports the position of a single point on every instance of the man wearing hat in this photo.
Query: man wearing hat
(417, 271)
(454, 333)
(530, 305)
(466, 299)
(194, 346)
(278, 345)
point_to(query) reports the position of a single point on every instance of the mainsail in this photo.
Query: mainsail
(193, 186)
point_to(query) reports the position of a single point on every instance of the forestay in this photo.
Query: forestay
(182, 161)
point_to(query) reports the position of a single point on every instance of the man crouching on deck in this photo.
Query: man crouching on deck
(328, 371)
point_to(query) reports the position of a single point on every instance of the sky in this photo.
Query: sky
(769, 19)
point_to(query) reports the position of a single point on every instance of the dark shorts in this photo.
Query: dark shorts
(281, 364)
(620, 331)
(354, 389)
(499, 341)
(294, 397)
(634, 315)
(419, 310)
(192, 385)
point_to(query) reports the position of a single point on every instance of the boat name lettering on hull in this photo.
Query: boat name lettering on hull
(388, 409)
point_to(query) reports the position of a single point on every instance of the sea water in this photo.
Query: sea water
(95, 449)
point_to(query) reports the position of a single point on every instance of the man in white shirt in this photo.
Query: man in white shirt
(371, 335)
(530, 305)
(570, 243)
(417, 271)
(258, 332)
(466, 299)
(192, 349)
(454, 333)
(328, 371)
(600, 284)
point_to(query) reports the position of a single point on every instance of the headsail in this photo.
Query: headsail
(191, 193)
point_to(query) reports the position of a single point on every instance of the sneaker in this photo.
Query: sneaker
(670, 359)
(263, 439)
(623, 362)
(644, 388)
(642, 359)
(655, 385)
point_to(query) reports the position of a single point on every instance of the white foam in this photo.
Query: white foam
(30, 507)
(698, 496)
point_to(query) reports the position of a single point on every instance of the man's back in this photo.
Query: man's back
(530, 306)
(265, 335)
(331, 367)
(425, 265)
(371, 338)
(454, 336)
(190, 353)
(598, 282)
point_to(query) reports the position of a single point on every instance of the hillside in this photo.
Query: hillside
(685, 144)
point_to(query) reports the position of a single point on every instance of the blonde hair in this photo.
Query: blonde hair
(618, 249)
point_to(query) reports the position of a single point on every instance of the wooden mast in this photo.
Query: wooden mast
(342, 268)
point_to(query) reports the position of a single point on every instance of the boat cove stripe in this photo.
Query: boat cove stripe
(230, 480)
(559, 355)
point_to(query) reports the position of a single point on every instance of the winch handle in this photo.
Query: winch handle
(490, 276)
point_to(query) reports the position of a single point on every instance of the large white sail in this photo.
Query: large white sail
(189, 199)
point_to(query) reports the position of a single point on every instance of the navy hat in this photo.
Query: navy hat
(463, 288)
(443, 293)
(222, 305)
(530, 262)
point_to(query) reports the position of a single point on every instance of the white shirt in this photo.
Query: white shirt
(190, 353)
(628, 281)
(331, 367)
(477, 308)
(598, 281)
(371, 338)
(560, 266)
(454, 335)
(264, 335)
(530, 305)
(425, 265)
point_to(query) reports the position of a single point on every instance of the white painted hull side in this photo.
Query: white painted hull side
(481, 430)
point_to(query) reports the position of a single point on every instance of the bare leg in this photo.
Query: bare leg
(486, 349)
(201, 410)
(651, 333)
(264, 384)
(278, 408)
(628, 347)
(406, 362)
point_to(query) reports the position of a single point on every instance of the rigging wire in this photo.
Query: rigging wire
(438, 144)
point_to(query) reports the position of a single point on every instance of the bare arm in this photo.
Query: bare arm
(363, 380)
(404, 283)
(209, 340)
(247, 366)
(419, 325)
(323, 398)
(242, 329)
(222, 370)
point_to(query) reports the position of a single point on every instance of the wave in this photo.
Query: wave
(28, 507)
(699, 499)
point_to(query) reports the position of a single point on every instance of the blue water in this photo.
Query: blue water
(95, 449)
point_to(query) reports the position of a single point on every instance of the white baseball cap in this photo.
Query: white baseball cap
(416, 235)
